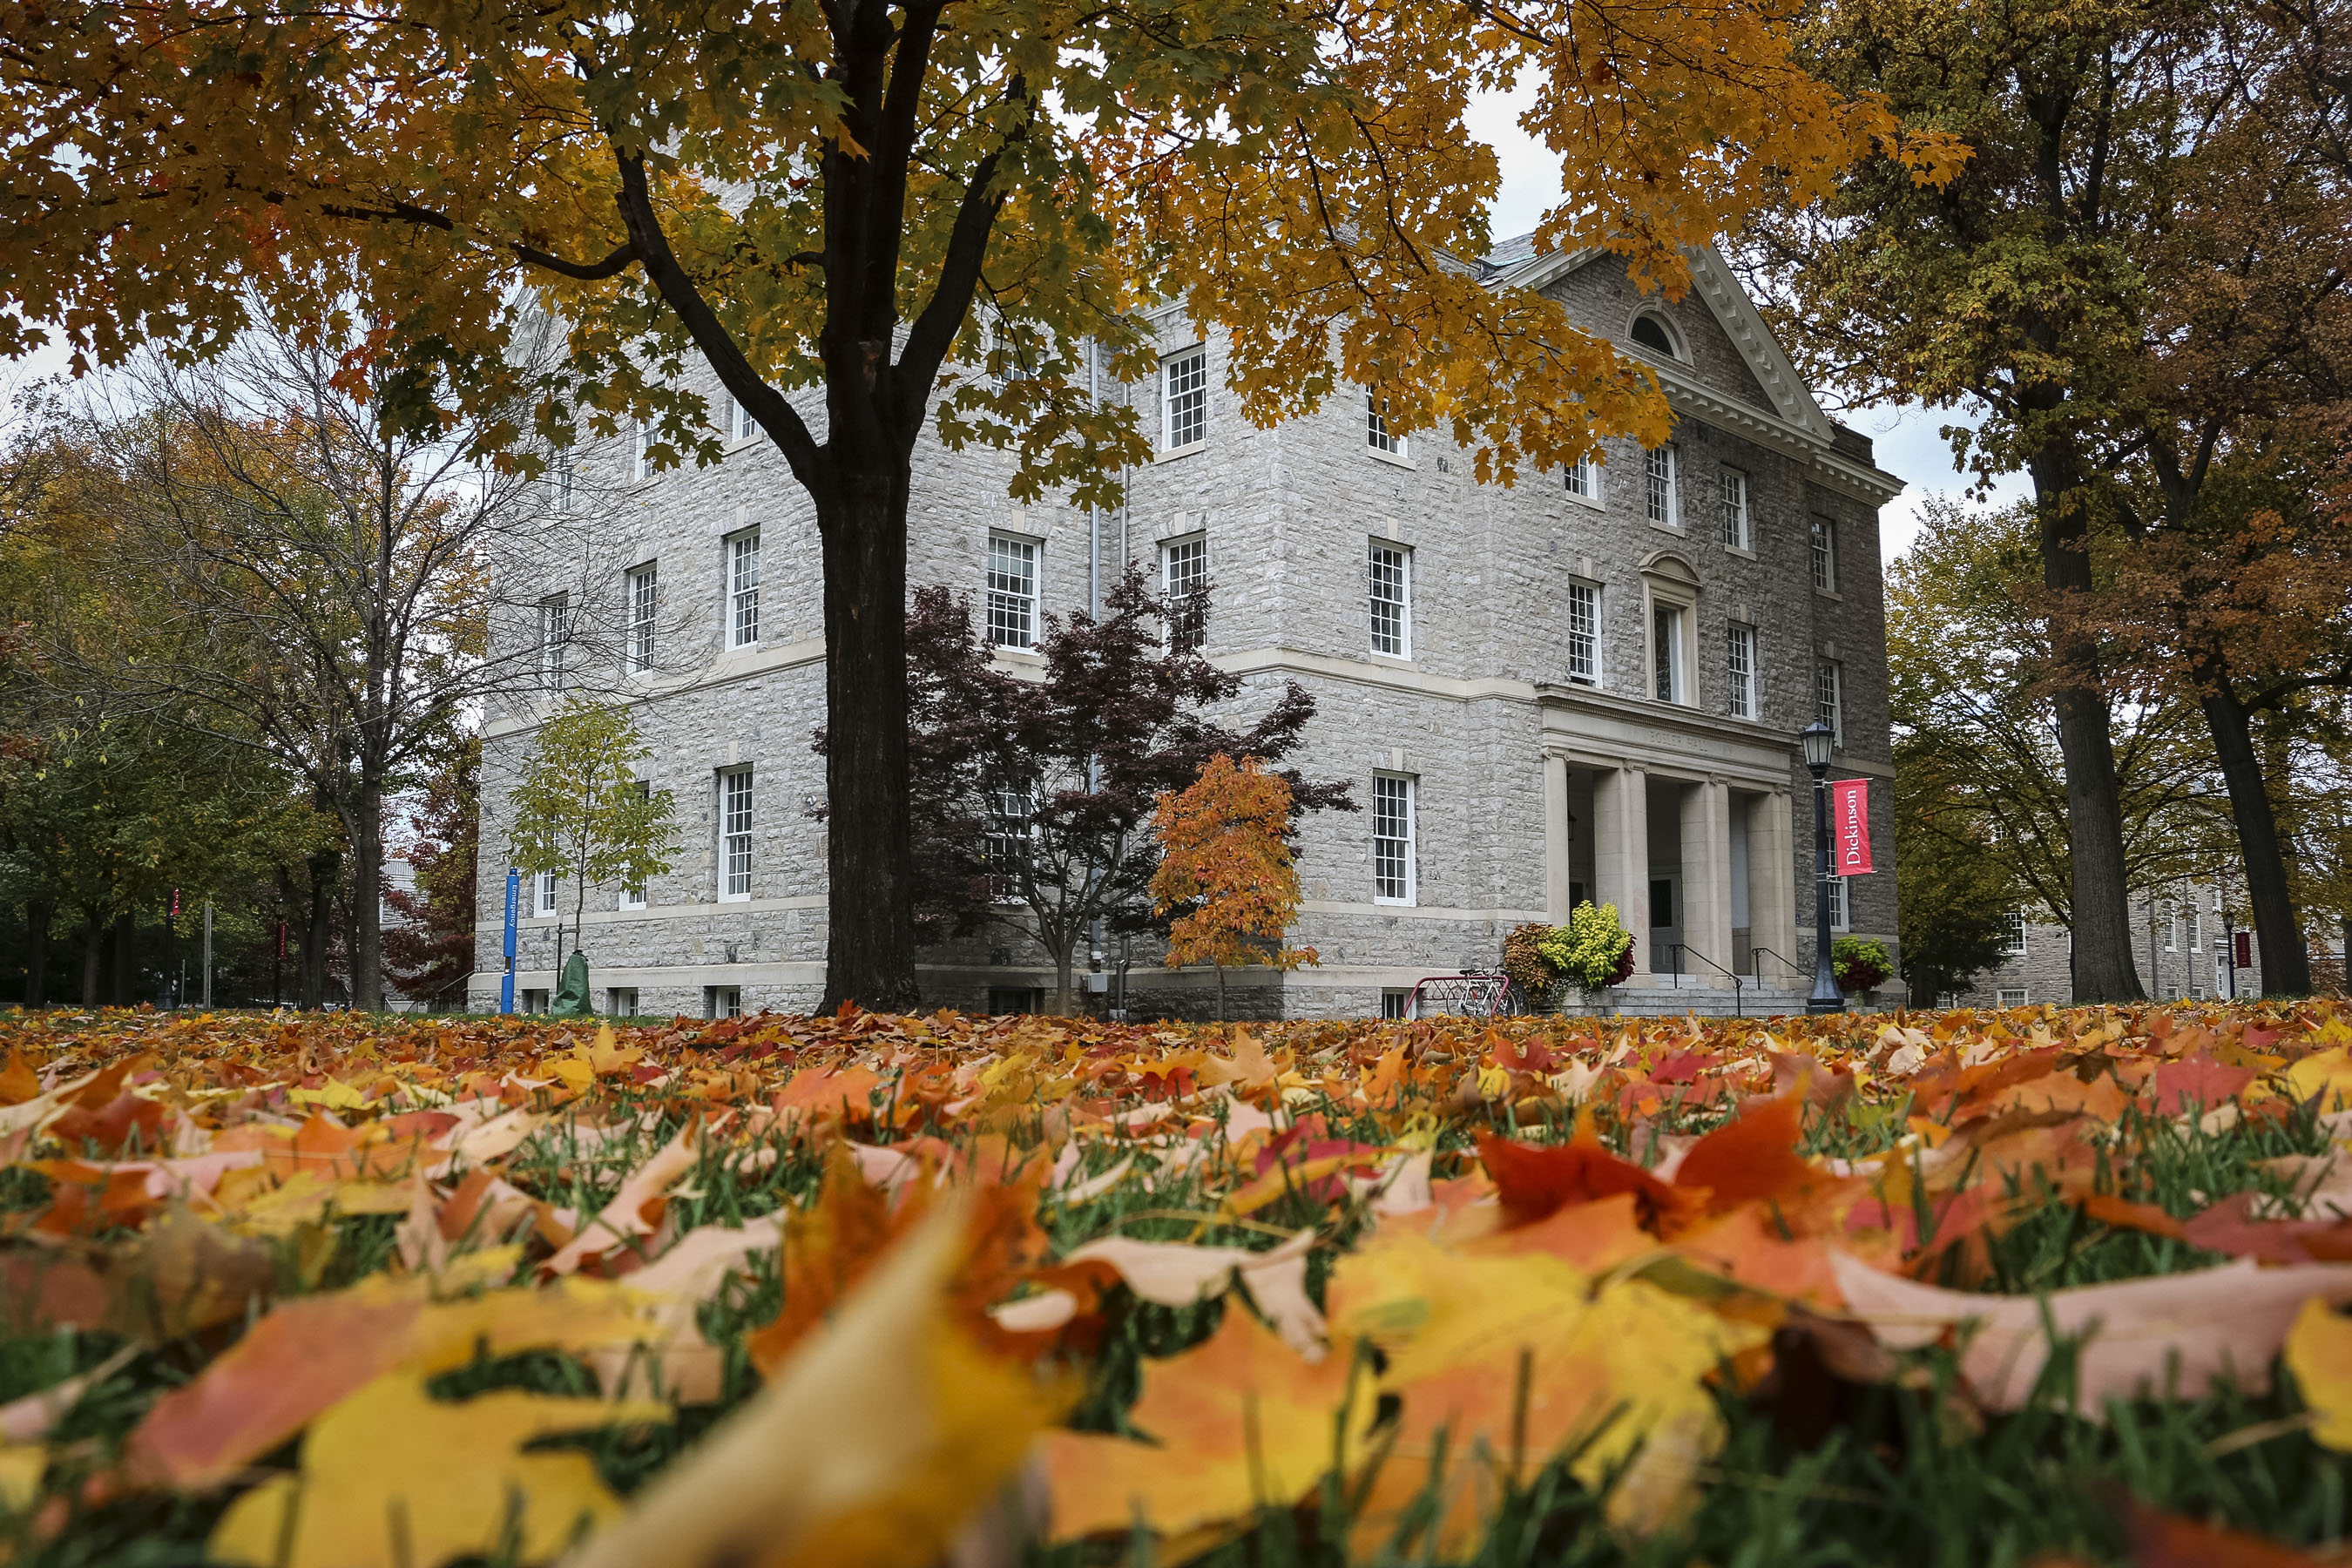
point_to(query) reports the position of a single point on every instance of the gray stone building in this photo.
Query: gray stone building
(1586, 686)
(2190, 936)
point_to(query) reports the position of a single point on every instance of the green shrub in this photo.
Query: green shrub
(1862, 963)
(1594, 948)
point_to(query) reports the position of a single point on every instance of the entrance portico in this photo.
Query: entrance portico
(1684, 821)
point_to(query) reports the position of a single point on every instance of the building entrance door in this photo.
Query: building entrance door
(1666, 923)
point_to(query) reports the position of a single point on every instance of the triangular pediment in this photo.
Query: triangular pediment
(1734, 311)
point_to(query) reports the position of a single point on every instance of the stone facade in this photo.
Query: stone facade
(1530, 786)
(2180, 948)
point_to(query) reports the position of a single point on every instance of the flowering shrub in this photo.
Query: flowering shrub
(1862, 963)
(1593, 946)
(1525, 962)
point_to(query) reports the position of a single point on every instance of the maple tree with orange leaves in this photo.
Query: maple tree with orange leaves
(1227, 864)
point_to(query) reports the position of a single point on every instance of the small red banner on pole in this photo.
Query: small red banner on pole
(1850, 826)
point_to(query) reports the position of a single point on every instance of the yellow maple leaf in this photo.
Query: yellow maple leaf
(1239, 1422)
(397, 1478)
(2319, 1353)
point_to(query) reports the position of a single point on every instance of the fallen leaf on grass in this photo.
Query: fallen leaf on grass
(36, 1415)
(313, 1351)
(2222, 1325)
(2161, 1540)
(392, 1477)
(2319, 1353)
(623, 1220)
(1176, 1275)
(1238, 1422)
(880, 1436)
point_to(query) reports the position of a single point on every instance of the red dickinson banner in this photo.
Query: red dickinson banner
(1850, 826)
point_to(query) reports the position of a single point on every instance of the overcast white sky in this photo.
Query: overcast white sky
(1905, 436)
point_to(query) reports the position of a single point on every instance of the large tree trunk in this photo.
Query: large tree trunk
(125, 980)
(2286, 963)
(93, 941)
(367, 899)
(869, 952)
(38, 915)
(2104, 970)
(318, 929)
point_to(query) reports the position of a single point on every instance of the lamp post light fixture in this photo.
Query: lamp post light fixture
(1818, 738)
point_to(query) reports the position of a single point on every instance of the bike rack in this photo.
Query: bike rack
(1473, 993)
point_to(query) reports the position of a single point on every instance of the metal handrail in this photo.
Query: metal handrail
(1738, 982)
(1753, 950)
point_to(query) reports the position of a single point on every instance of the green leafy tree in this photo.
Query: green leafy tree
(582, 812)
(1982, 802)
(2138, 277)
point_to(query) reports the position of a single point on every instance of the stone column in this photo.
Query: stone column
(1707, 880)
(1621, 855)
(1772, 884)
(1558, 839)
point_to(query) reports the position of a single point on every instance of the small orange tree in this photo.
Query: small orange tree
(1226, 864)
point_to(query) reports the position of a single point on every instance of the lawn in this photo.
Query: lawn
(2037, 1287)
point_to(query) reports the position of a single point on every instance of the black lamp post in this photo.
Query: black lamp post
(1818, 738)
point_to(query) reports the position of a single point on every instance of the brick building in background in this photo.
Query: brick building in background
(1587, 686)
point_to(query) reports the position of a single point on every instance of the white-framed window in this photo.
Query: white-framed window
(1585, 633)
(1825, 553)
(1376, 426)
(1011, 591)
(2220, 977)
(1659, 502)
(621, 1001)
(1183, 399)
(1946, 1000)
(1011, 829)
(1394, 877)
(2217, 898)
(2196, 931)
(1184, 589)
(564, 476)
(722, 1001)
(734, 835)
(1584, 480)
(1396, 1002)
(644, 586)
(1669, 663)
(2010, 996)
(543, 893)
(743, 589)
(1651, 333)
(1829, 699)
(2015, 946)
(1840, 919)
(1739, 528)
(633, 894)
(2171, 926)
(741, 425)
(534, 1001)
(1389, 569)
(642, 462)
(1740, 668)
(554, 631)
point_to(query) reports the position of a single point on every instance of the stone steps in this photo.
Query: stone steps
(1707, 1001)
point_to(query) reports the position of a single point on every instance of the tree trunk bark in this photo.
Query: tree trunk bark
(93, 940)
(1065, 1004)
(2286, 963)
(318, 929)
(2104, 970)
(38, 915)
(1221, 993)
(869, 952)
(367, 899)
(125, 978)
